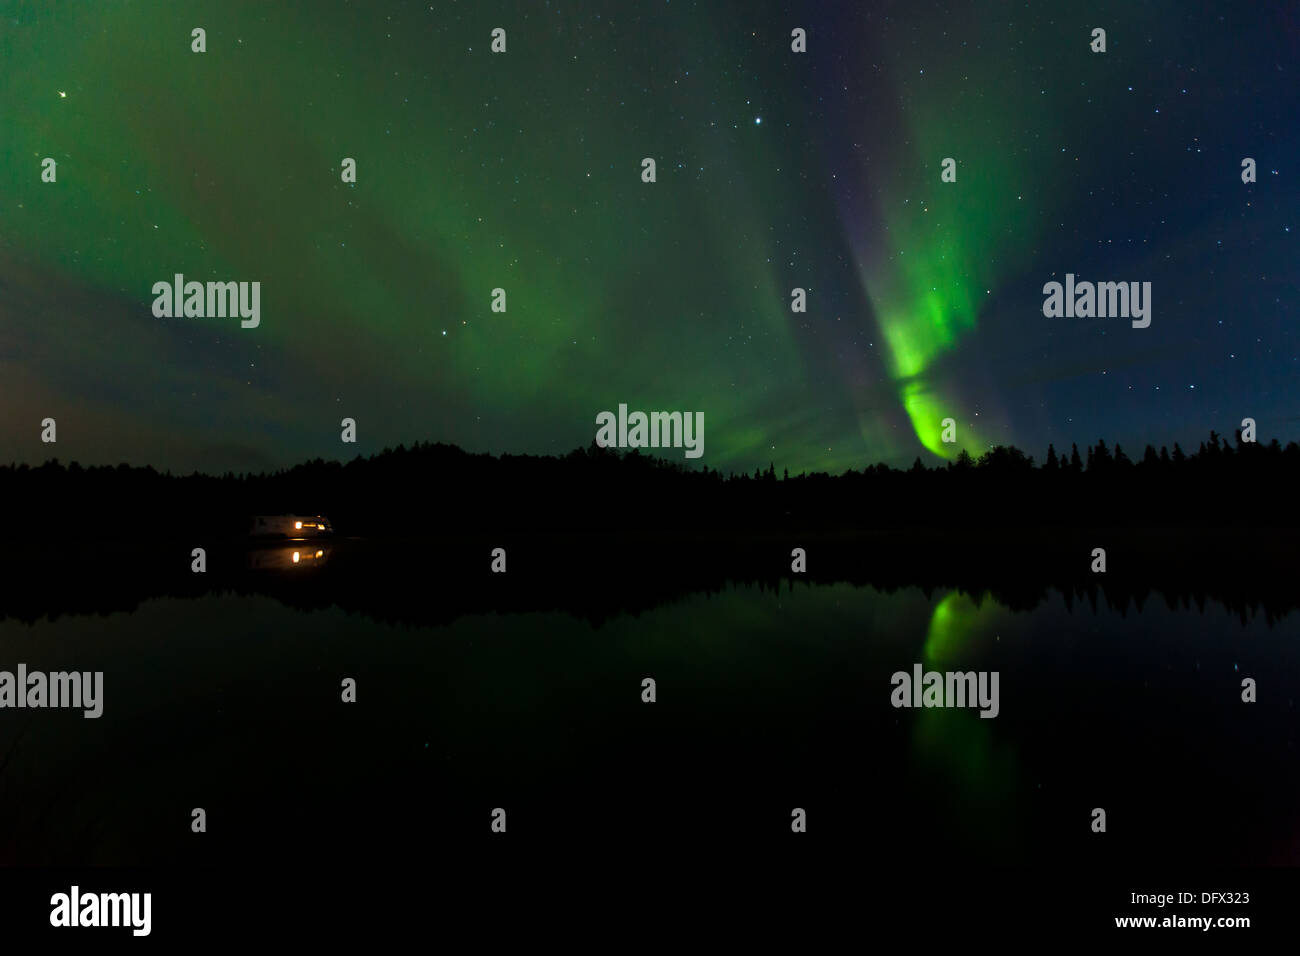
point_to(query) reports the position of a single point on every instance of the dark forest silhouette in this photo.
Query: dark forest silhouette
(435, 488)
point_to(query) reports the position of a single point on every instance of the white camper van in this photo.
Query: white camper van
(290, 526)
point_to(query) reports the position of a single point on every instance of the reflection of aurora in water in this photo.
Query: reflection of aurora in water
(768, 699)
(956, 621)
(954, 742)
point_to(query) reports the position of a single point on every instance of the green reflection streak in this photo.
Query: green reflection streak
(957, 743)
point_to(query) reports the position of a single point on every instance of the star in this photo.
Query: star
(758, 121)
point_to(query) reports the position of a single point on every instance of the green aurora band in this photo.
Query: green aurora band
(950, 243)
(477, 172)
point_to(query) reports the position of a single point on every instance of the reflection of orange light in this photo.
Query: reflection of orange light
(320, 554)
(295, 557)
(297, 525)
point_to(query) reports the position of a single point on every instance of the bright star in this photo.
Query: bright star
(758, 121)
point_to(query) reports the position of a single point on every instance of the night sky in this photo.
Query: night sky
(522, 170)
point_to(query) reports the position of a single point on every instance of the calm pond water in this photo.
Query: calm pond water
(767, 700)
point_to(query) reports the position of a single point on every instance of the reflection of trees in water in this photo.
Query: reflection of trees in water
(432, 581)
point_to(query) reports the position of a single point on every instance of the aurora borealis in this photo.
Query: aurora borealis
(521, 171)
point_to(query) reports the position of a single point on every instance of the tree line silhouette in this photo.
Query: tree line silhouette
(433, 488)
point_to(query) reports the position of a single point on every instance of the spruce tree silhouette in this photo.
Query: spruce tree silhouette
(427, 488)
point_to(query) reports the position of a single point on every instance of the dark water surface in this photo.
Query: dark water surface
(769, 698)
